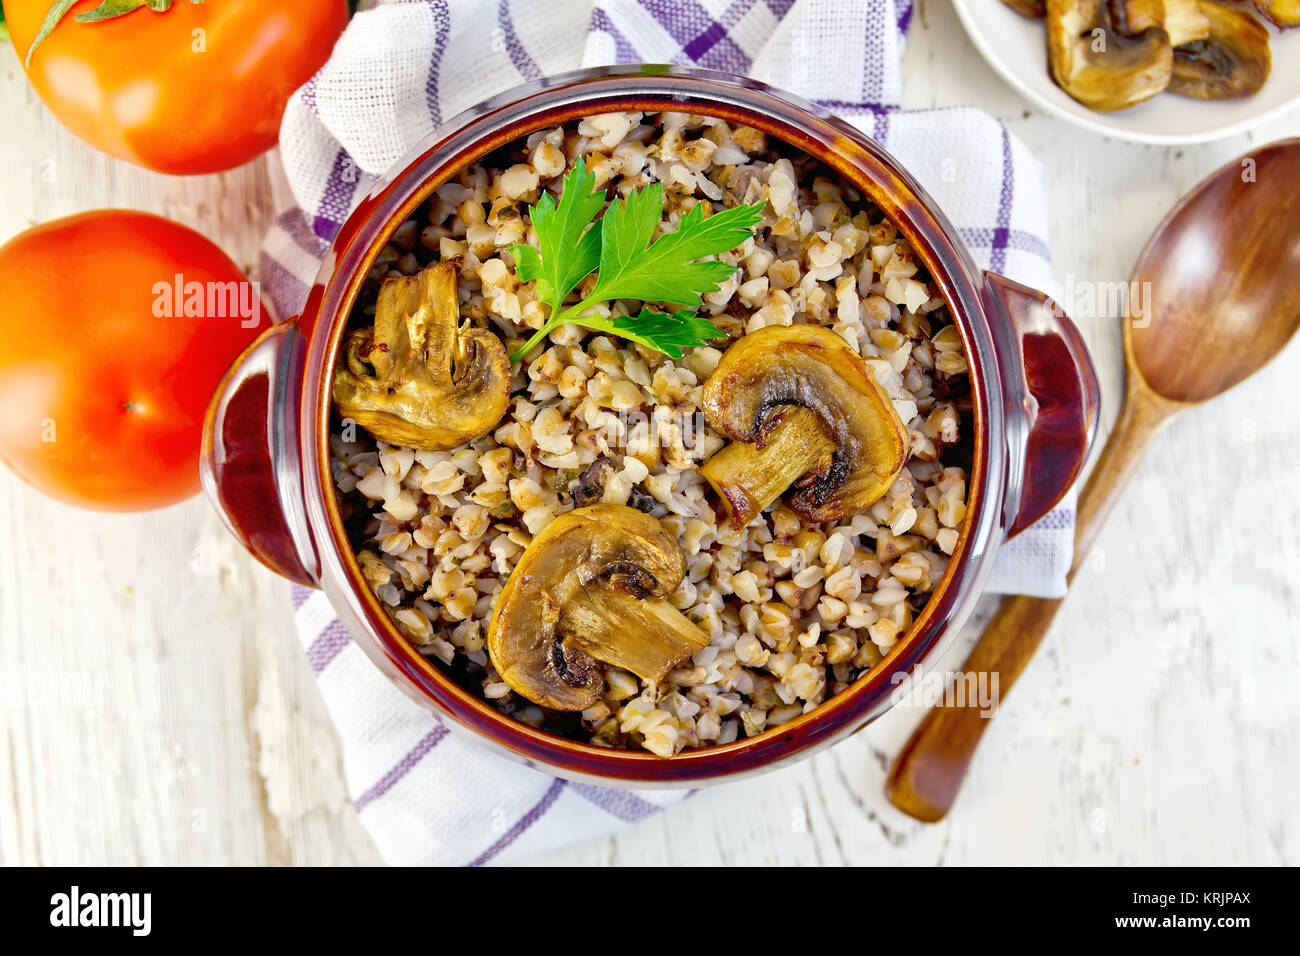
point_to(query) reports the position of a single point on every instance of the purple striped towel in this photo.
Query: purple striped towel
(429, 796)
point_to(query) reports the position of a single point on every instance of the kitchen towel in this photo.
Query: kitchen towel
(426, 795)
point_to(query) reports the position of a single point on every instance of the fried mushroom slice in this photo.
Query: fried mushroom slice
(802, 409)
(1098, 65)
(1182, 20)
(1185, 21)
(590, 589)
(418, 378)
(1284, 14)
(1133, 17)
(1033, 9)
(1233, 61)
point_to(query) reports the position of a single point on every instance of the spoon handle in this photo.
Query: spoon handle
(929, 771)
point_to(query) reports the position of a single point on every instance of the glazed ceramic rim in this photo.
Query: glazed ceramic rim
(510, 117)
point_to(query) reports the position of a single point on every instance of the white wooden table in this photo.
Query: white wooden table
(155, 707)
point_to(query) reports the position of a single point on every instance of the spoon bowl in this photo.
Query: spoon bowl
(1222, 271)
(1223, 275)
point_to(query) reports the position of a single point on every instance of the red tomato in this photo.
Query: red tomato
(197, 88)
(115, 327)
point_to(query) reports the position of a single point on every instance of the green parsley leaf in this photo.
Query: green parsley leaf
(630, 264)
(665, 333)
(631, 267)
(568, 251)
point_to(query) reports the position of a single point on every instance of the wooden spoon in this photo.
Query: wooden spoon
(1224, 274)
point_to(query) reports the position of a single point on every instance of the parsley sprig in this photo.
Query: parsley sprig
(627, 263)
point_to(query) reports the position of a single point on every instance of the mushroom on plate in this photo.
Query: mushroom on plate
(418, 378)
(1185, 21)
(1232, 60)
(802, 409)
(1034, 9)
(1182, 20)
(1285, 14)
(1101, 67)
(590, 589)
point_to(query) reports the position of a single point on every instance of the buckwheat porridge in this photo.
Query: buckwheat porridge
(704, 547)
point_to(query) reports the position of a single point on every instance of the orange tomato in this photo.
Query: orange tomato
(115, 328)
(198, 88)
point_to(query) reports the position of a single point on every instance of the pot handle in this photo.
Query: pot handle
(249, 458)
(1063, 397)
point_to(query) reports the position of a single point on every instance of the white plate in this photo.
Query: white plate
(1016, 48)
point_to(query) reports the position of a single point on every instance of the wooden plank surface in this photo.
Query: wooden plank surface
(155, 707)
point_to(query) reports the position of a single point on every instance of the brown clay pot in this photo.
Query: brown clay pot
(266, 456)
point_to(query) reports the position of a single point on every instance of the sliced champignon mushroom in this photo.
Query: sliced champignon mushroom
(419, 378)
(1185, 21)
(802, 409)
(1182, 20)
(591, 588)
(1034, 9)
(1133, 17)
(1233, 61)
(1284, 14)
(1098, 65)
(589, 487)
(749, 476)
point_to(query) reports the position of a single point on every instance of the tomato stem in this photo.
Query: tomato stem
(107, 10)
